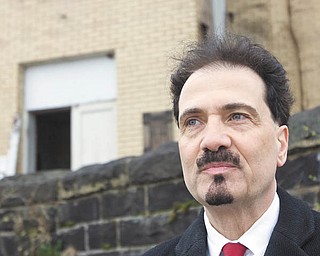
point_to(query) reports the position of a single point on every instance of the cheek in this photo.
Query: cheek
(188, 156)
(261, 155)
(188, 153)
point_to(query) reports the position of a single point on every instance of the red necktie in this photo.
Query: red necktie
(233, 249)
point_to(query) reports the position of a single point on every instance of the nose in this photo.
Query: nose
(215, 136)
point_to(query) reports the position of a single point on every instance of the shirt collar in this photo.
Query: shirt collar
(256, 239)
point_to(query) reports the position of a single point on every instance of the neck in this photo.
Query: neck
(233, 220)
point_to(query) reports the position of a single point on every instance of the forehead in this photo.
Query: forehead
(216, 86)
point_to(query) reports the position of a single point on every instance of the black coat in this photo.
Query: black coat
(297, 233)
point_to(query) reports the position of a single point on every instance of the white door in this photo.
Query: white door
(65, 85)
(93, 134)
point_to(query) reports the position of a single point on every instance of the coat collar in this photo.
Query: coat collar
(194, 239)
(294, 228)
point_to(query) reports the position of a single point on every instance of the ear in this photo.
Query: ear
(283, 141)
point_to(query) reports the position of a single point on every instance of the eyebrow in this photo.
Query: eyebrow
(224, 108)
(235, 106)
(188, 112)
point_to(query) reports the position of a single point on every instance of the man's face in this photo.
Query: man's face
(229, 144)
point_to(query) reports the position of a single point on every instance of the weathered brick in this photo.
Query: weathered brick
(73, 237)
(151, 167)
(304, 130)
(46, 192)
(102, 236)
(7, 220)
(78, 210)
(12, 201)
(8, 246)
(95, 178)
(29, 189)
(122, 202)
(166, 196)
(154, 229)
(304, 170)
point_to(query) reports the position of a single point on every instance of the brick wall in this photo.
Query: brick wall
(141, 34)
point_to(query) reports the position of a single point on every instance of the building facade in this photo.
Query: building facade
(79, 77)
(84, 82)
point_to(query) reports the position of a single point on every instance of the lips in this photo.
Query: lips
(217, 167)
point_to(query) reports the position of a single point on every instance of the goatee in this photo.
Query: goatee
(218, 193)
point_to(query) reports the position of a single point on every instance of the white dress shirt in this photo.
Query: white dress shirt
(256, 239)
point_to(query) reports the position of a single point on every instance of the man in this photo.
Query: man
(231, 101)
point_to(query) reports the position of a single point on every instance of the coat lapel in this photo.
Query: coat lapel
(194, 239)
(294, 227)
(282, 246)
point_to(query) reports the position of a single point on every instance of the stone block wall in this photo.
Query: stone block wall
(301, 173)
(118, 208)
(124, 207)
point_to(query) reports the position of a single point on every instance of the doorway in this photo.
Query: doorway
(52, 145)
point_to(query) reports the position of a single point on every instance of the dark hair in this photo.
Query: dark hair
(232, 51)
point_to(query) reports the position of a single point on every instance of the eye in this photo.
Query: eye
(238, 117)
(192, 122)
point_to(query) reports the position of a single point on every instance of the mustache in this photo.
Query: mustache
(222, 155)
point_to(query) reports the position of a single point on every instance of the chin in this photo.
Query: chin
(218, 193)
(219, 199)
